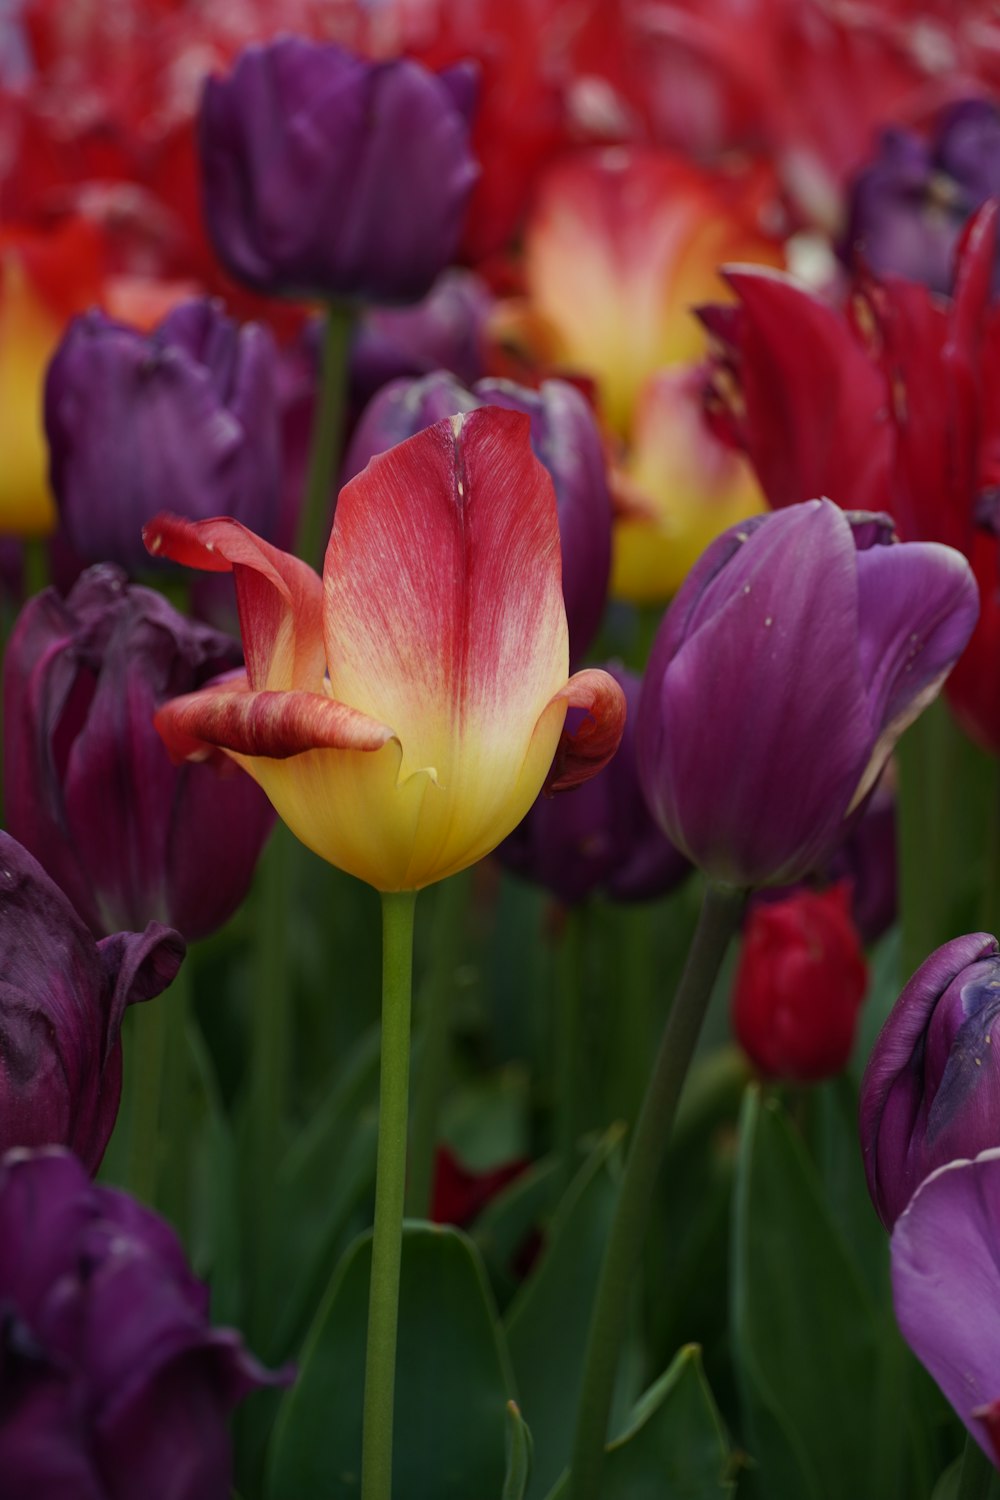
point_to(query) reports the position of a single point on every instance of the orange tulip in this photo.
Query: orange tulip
(404, 712)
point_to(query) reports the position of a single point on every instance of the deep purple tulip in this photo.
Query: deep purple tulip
(602, 838)
(62, 999)
(445, 331)
(909, 206)
(91, 790)
(931, 1090)
(328, 175)
(184, 418)
(797, 651)
(113, 1383)
(564, 437)
(946, 1288)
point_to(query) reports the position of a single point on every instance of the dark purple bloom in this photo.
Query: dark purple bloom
(909, 206)
(91, 790)
(564, 437)
(445, 331)
(931, 1090)
(797, 651)
(600, 837)
(113, 1384)
(62, 999)
(184, 418)
(946, 1288)
(330, 175)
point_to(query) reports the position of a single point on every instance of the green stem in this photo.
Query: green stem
(568, 1059)
(327, 434)
(451, 902)
(390, 1182)
(35, 552)
(990, 918)
(978, 1478)
(720, 916)
(925, 818)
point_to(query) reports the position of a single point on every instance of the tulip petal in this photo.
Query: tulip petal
(921, 602)
(945, 1278)
(785, 686)
(280, 599)
(580, 754)
(228, 714)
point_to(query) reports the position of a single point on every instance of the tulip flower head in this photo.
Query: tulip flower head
(931, 1090)
(62, 1000)
(113, 1383)
(403, 712)
(790, 662)
(800, 984)
(91, 791)
(328, 175)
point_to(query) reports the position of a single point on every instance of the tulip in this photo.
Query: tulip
(446, 331)
(564, 436)
(403, 713)
(908, 206)
(945, 1281)
(113, 1383)
(788, 665)
(603, 837)
(62, 1000)
(799, 986)
(620, 245)
(91, 790)
(931, 1088)
(330, 176)
(678, 489)
(185, 416)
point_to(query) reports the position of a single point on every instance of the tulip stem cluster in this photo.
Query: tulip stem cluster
(327, 433)
(148, 1063)
(720, 915)
(451, 903)
(390, 1184)
(568, 988)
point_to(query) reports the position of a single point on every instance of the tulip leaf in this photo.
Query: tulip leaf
(675, 1445)
(518, 1454)
(547, 1321)
(452, 1383)
(327, 1171)
(806, 1333)
(503, 1228)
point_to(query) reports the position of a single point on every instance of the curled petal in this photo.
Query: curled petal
(280, 599)
(945, 1251)
(232, 717)
(582, 752)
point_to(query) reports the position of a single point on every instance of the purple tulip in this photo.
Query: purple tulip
(797, 651)
(867, 859)
(113, 1384)
(445, 331)
(909, 206)
(564, 437)
(946, 1288)
(91, 790)
(184, 418)
(931, 1090)
(328, 175)
(62, 999)
(602, 838)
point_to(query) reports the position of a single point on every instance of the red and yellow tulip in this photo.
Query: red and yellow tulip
(404, 712)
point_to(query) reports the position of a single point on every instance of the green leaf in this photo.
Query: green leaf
(806, 1333)
(548, 1320)
(452, 1381)
(518, 1454)
(675, 1446)
(503, 1227)
(328, 1170)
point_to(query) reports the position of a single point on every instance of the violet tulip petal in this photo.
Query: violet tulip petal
(946, 1280)
(896, 1094)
